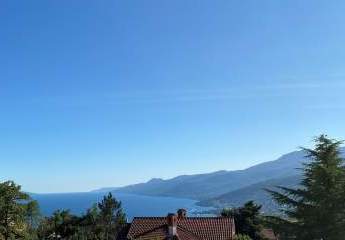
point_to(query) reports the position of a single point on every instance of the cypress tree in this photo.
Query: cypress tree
(316, 210)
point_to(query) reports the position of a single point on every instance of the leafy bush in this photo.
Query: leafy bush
(242, 237)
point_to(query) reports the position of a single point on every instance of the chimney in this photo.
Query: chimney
(181, 213)
(172, 224)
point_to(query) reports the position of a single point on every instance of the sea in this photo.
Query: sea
(133, 205)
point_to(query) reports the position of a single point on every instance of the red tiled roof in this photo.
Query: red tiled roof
(186, 235)
(210, 228)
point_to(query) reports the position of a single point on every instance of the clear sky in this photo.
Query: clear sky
(107, 93)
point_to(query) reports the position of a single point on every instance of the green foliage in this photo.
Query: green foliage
(13, 205)
(32, 213)
(62, 224)
(101, 222)
(32, 219)
(90, 226)
(20, 219)
(316, 210)
(111, 216)
(242, 237)
(247, 219)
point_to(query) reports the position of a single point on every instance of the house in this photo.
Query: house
(180, 227)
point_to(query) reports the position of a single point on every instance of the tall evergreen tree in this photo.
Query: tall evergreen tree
(32, 217)
(111, 216)
(12, 211)
(247, 219)
(89, 224)
(316, 210)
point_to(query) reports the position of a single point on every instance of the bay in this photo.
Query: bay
(134, 205)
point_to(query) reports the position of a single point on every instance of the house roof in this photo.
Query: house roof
(189, 228)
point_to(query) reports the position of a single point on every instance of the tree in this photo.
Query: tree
(242, 237)
(12, 211)
(316, 210)
(247, 219)
(32, 217)
(61, 225)
(20, 219)
(111, 216)
(101, 222)
(90, 228)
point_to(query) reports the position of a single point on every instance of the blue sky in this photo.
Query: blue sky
(107, 93)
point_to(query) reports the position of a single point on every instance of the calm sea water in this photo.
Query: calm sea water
(134, 205)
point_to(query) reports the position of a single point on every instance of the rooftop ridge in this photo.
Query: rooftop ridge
(196, 228)
(216, 217)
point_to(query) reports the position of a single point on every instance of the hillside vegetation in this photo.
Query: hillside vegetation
(228, 188)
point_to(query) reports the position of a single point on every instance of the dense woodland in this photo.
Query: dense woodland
(313, 211)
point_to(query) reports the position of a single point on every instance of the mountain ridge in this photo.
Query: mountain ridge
(208, 185)
(255, 192)
(229, 188)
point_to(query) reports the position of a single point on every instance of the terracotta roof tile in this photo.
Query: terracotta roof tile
(210, 228)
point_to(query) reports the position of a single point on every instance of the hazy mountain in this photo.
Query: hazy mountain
(211, 185)
(228, 188)
(253, 192)
(257, 191)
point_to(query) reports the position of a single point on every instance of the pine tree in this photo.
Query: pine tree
(61, 225)
(32, 217)
(12, 211)
(316, 210)
(247, 219)
(111, 216)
